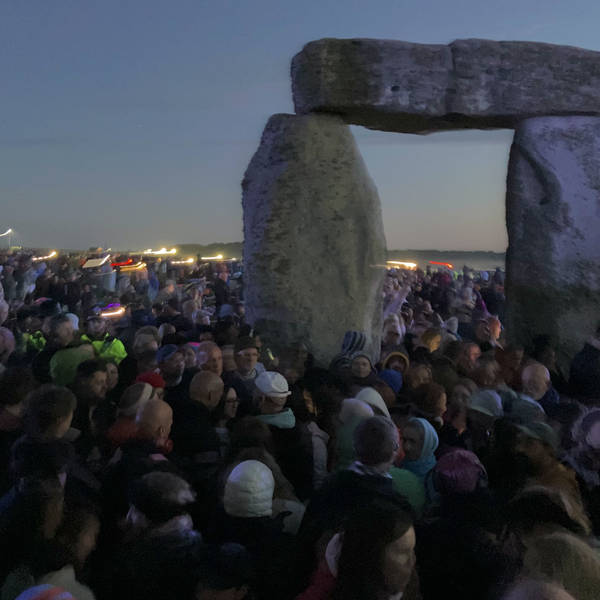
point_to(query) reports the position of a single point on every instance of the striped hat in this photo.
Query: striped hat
(353, 342)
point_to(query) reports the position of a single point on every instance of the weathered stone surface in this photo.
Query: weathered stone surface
(553, 220)
(314, 246)
(419, 88)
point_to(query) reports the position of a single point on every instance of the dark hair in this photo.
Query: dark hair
(250, 432)
(160, 496)
(45, 406)
(219, 412)
(225, 567)
(15, 384)
(366, 534)
(55, 322)
(87, 368)
(374, 441)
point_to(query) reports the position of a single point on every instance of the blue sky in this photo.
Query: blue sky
(130, 123)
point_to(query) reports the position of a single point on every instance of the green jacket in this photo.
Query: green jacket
(110, 348)
(64, 363)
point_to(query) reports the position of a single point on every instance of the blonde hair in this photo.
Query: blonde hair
(567, 560)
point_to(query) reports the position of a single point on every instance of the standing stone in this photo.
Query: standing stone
(553, 219)
(314, 247)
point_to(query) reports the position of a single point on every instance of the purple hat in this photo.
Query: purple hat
(458, 472)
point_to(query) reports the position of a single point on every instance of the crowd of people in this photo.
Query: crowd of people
(153, 446)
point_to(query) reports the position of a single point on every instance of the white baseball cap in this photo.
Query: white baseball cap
(272, 384)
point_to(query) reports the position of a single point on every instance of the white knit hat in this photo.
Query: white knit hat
(249, 490)
(373, 398)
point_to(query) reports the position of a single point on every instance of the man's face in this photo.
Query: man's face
(96, 327)
(173, 367)
(361, 367)
(97, 384)
(213, 361)
(246, 360)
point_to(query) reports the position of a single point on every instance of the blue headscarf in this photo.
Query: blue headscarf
(426, 461)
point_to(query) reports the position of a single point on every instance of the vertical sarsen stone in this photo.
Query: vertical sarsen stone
(314, 247)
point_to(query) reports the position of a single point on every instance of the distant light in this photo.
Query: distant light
(51, 255)
(7, 232)
(442, 264)
(187, 261)
(122, 264)
(403, 264)
(136, 267)
(161, 252)
(217, 257)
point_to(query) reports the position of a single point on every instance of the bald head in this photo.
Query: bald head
(210, 358)
(535, 380)
(207, 388)
(154, 420)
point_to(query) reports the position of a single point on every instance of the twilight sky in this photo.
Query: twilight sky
(131, 122)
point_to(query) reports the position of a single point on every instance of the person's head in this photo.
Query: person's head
(15, 384)
(156, 498)
(190, 358)
(458, 472)
(246, 355)
(376, 442)
(60, 331)
(377, 556)
(91, 379)
(431, 339)
(463, 390)
(226, 573)
(529, 589)
(156, 380)
(154, 421)
(249, 490)
(486, 372)
(535, 380)
(171, 363)
(271, 392)
(210, 358)
(397, 361)
(133, 398)
(430, 400)
(251, 432)
(361, 365)
(468, 356)
(419, 439)
(206, 388)
(78, 533)
(417, 375)
(566, 559)
(392, 334)
(95, 327)
(228, 406)
(112, 375)
(49, 412)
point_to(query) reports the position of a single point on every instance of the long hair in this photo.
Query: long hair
(366, 534)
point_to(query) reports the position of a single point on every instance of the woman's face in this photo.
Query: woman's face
(231, 404)
(361, 367)
(190, 357)
(399, 562)
(412, 441)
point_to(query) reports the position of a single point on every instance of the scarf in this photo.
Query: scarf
(426, 460)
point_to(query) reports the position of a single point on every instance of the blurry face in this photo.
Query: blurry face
(361, 367)
(63, 426)
(87, 540)
(213, 361)
(97, 384)
(174, 366)
(392, 337)
(112, 376)
(495, 329)
(246, 360)
(64, 334)
(96, 327)
(231, 404)
(53, 517)
(460, 394)
(412, 441)
(397, 364)
(190, 357)
(399, 562)
(159, 393)
(473, 353)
